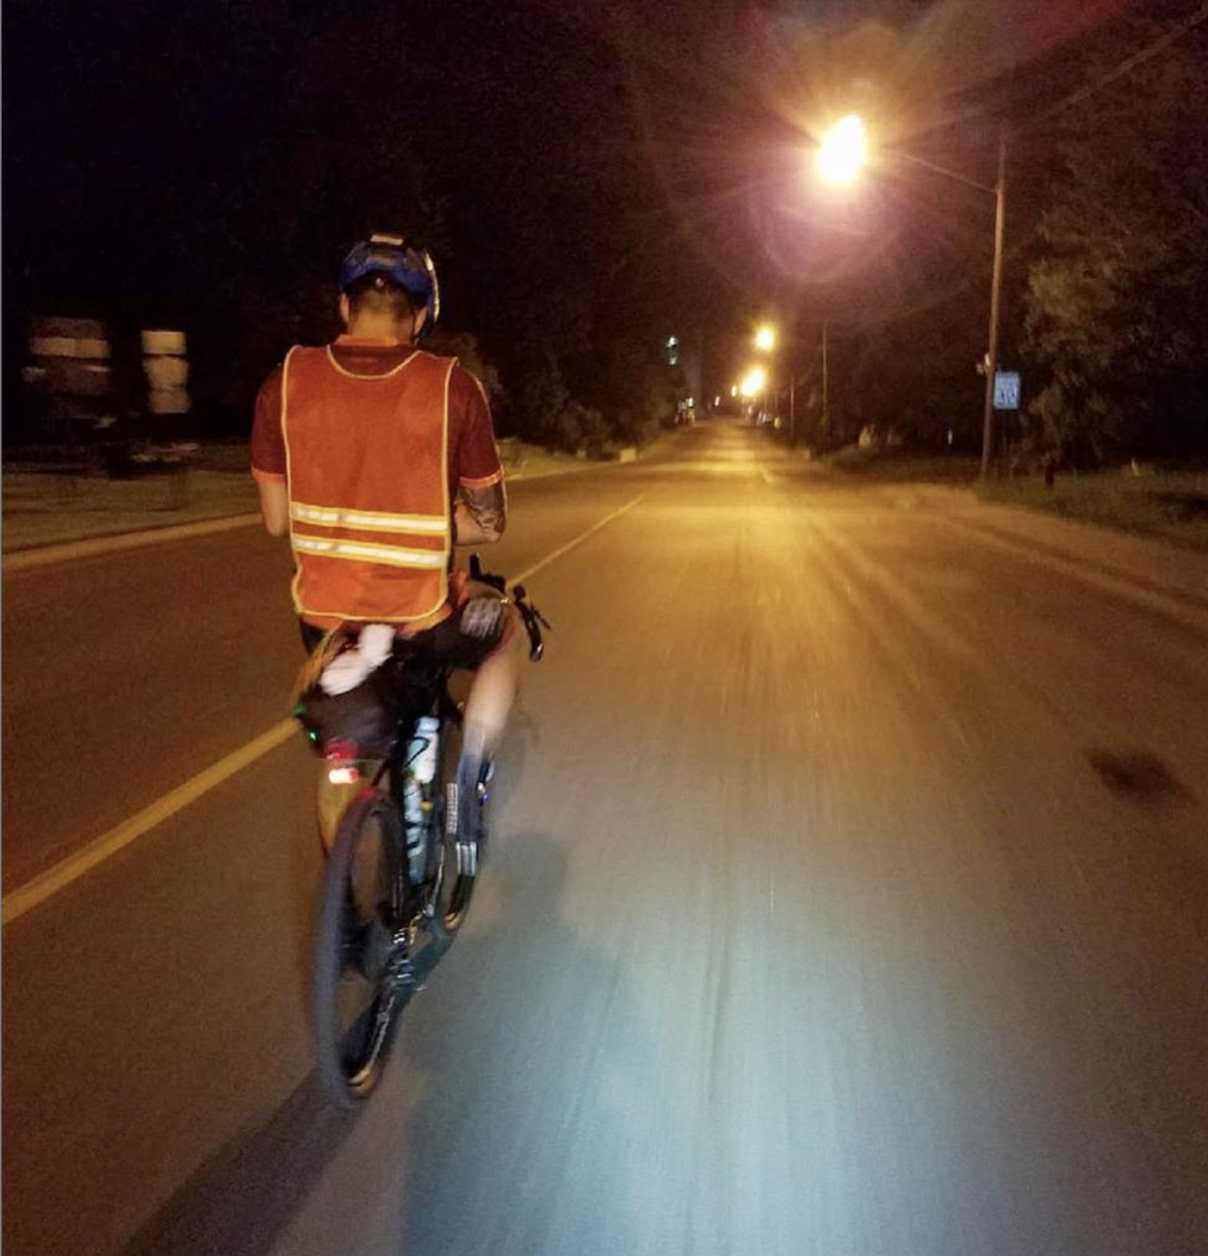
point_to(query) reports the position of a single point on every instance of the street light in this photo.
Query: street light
(765, 339)
(840, 156)
(754, 382)
(843, 150)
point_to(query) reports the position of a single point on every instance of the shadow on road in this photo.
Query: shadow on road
(522, 1074)
(237, 1202)
(537, 1106)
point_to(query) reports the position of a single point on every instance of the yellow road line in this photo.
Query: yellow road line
(75, 866)
(570, 545)
(99, 849)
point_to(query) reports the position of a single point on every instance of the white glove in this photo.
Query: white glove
(349, 669)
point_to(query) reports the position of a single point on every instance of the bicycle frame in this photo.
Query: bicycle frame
(423, 688)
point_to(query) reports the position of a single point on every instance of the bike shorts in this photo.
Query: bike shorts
(447, 642)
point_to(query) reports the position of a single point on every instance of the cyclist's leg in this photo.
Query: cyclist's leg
(492, 693)
(481, 636)
(488, 706)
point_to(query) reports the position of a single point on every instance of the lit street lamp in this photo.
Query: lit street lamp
(842, 153)
(765, 339)
(754, 382)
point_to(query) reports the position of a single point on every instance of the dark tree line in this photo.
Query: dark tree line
(1116, 313)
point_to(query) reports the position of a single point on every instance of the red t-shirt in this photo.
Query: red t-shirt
(473, 458)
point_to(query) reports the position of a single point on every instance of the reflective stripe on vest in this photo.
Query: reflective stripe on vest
(333, 517)
(367, 466)
(359, 551)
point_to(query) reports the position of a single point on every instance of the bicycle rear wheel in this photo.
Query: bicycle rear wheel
(362, 979)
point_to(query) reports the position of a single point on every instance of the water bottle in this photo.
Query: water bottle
(420, 772)
(421, 754)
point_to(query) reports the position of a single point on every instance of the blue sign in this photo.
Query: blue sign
(1006, 390)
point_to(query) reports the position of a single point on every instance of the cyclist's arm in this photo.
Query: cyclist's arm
(479, 501)
(268, 457)
(274, 506)
(479, 514)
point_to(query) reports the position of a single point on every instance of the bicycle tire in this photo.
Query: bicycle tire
(357, 996)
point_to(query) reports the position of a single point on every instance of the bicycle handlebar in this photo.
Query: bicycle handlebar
(532, 619)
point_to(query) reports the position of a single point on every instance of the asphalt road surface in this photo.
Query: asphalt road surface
(848, 898)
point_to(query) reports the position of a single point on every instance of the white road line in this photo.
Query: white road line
(74, 866)
(50, 882)
(23, 560)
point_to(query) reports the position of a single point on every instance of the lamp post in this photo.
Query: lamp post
(1000, 197)
(841, 155)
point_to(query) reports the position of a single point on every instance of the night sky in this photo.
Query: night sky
(579, 170)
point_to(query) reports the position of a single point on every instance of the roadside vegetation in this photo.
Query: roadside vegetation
(1159, 501)
(1168, 499)
(901, 466)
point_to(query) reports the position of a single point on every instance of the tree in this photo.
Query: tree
(1117, 304)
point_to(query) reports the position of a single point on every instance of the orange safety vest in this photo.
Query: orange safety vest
(367, 466)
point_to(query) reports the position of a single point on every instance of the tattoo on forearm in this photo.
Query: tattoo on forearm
(487, 506)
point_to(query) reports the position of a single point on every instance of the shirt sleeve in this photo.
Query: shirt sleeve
(478, 464)
(268, 441)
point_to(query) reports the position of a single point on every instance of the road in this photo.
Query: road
(848, 898)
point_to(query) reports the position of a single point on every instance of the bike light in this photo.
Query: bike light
(344, 774)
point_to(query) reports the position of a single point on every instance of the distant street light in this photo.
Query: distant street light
(765, 340)
(843, 151)
(754, 382)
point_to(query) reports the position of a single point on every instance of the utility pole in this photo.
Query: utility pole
(825, 386)
(1000, 197)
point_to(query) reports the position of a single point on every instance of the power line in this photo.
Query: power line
(1131, 63)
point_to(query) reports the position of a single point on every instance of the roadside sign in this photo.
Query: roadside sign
(1006, 390)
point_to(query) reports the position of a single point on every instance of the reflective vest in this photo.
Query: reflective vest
(367, 467)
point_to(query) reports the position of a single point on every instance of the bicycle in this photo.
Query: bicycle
(398, 881)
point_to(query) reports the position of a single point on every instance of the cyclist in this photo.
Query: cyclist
(376, 457)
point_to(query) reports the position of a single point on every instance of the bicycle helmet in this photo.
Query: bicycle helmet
(412, 269)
